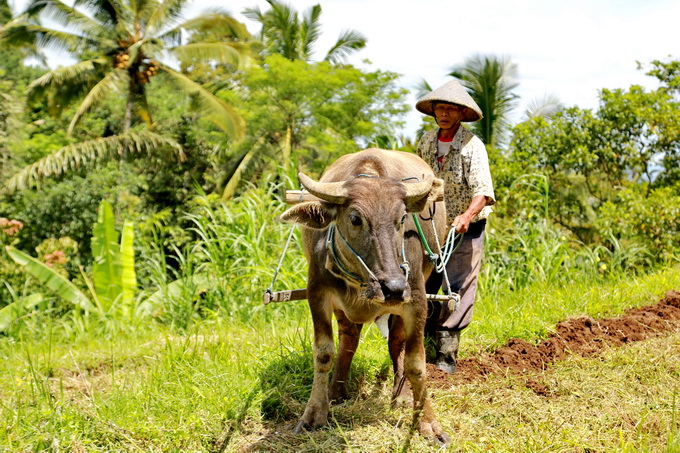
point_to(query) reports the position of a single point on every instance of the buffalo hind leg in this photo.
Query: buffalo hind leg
(348, 340)
(316, 412)
(400, 394)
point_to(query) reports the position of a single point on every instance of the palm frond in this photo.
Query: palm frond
(221, 52)
(219, 23)
(310, 30)
(281, 30)
(110, 13)
(113, 82)
(21, 33)
(63, 14)
(79, 75)
(26, 45)
(544, 107)
(491, 81)
(167, 13)
(141, 10)
(86, 153)
(348, 43)
(219, 112)
(237, 176)
(422, 88)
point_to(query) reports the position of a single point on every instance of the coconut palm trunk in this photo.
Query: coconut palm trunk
(130, 107)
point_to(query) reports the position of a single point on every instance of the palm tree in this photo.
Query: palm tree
(491, 81)
(284, 33)
(121, 46)
(544, 107)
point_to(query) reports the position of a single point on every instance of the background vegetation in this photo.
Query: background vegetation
(138, 232)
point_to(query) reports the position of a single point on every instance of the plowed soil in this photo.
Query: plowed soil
(582, 336)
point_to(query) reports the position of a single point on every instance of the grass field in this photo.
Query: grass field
(227, 385)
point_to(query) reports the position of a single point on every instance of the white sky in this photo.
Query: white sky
(567, 48)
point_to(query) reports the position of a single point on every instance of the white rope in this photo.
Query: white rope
(450, 246)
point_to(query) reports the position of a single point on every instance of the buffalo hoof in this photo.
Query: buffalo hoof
(442, 439)
(434, 432)
(302, 426)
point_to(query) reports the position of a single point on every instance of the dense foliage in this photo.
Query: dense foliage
(587, 194)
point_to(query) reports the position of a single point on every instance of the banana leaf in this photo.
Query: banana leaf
(107, 267)
(46, 275)
(13, 311)
(127, 256)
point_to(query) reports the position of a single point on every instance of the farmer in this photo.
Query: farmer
(460, 159)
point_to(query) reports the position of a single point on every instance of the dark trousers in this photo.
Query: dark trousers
(463, 271)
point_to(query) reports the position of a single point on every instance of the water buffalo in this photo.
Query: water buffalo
(366, 260)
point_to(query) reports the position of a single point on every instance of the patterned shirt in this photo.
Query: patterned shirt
(465, 171)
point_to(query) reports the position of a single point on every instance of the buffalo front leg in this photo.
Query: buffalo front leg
(348, 340)
(416, 373)
(316, 412)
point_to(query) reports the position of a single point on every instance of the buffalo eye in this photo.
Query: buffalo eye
(355, 220)
(403, 219)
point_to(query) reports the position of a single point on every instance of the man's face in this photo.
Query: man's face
(447, 115)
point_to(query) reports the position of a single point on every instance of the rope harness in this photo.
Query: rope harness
(330, 246)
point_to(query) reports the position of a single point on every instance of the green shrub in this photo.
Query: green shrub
(650, 219)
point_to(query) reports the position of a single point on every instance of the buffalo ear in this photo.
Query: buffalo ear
(436, 193)
(312, 214)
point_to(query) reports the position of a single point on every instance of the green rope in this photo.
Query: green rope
(430, 254)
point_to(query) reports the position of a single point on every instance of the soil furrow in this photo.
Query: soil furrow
(583, 336)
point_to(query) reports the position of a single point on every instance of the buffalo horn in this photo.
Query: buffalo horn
(417, 190)
(333, 192)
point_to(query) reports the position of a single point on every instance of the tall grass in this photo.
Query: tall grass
(237, 247)
(536, 274)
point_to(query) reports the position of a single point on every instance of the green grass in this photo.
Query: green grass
(230, 385)
(215, 370)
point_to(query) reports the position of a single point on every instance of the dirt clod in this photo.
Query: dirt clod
(582, 336)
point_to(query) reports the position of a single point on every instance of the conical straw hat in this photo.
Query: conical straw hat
(451, 92)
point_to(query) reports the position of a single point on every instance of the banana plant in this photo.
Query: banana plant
(112, 289)
(115, 281)
(114, 284)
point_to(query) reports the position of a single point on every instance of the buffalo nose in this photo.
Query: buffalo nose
(393, 290)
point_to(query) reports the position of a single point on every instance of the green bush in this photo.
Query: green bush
(649, 219)
(68, 208)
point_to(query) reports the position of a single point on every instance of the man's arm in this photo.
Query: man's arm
(462, 222)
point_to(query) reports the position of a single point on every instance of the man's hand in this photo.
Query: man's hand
(461, 224)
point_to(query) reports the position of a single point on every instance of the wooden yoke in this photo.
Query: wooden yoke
(300, 196)
(301, 294)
